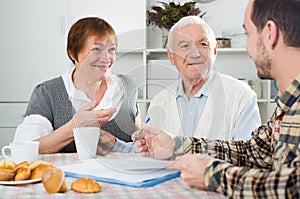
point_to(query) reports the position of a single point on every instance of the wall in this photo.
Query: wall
(33, 38)
(224, 16)
(221, 15)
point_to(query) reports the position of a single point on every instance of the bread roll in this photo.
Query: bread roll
(37, 163)
(22, 164)
(7, 164)
(7, 171)
(39, 170)
(23, 173)
(54, 180)
(86, 185)
(6, 174)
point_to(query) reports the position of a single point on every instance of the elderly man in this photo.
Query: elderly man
(203, 103)
(268, 165)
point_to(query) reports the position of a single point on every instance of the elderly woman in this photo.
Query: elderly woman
(88, 95)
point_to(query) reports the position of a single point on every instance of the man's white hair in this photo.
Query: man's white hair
(188, 20)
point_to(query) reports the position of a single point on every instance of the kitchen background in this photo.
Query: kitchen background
(33, 42)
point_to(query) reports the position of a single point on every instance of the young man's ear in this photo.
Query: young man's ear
(271, 34)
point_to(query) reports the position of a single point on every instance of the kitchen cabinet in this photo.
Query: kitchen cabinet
(33, 49)
(33, 46)
(11, 115)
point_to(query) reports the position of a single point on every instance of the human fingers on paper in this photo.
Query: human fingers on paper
(192, 168)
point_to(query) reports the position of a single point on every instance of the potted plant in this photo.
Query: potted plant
(166, 16)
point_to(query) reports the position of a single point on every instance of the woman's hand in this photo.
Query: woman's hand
(106, 143)
(86, 116)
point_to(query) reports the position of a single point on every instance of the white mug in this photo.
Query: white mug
(22, 151)
(86, 141)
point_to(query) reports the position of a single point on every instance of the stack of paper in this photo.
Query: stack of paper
(124, 169)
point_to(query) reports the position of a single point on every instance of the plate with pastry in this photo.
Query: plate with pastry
(22, 173)
(12, 182)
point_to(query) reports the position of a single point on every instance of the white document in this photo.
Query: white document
(125, 167)
(131, 162)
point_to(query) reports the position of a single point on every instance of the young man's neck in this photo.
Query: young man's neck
(287, 71)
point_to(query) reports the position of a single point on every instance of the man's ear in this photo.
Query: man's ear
(271, 33)
(171, 57)
(215, 50)
(215, 53)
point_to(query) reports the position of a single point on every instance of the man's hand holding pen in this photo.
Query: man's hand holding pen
(139, 134)
(154, 142)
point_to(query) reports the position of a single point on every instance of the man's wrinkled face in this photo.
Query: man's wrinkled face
(192, 53)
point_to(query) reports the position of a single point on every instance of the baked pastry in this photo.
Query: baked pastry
(39, 170)
(37, 163)
(22, 164)
(54, 180)
(6, 174)
(7, 164)
(7, 171)
(86, 185)
(23, 173)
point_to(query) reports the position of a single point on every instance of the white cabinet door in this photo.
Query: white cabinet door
(7, 136)
(128, 18)
(12, 114)
(33, 45)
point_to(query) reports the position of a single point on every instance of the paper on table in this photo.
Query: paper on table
(121, 167)
(131, 162)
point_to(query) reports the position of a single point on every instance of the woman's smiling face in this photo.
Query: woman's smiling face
(98, 54)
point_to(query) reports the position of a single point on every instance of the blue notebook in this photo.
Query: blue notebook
(143, 184)
(123, 169)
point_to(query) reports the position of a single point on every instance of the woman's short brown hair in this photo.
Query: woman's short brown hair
(84, 28)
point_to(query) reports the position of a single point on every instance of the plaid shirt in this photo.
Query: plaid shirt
(266, 166)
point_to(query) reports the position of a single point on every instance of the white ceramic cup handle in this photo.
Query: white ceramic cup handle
(3, 151)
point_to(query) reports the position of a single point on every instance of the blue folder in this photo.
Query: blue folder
(144, 184)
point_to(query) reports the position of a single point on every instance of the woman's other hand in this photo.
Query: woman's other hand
(106, 143)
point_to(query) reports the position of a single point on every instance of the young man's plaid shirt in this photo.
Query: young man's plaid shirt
(266, 166)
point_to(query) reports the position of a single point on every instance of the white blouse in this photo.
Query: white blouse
(36, 126)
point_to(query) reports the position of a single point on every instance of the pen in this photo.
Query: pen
(140, 132)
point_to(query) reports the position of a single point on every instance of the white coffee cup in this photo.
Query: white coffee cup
(86, 141)
(22, 151)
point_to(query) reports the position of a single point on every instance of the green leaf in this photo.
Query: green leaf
(166, 15)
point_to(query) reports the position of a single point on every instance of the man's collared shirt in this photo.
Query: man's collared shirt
(266, 166)
(190, 111)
